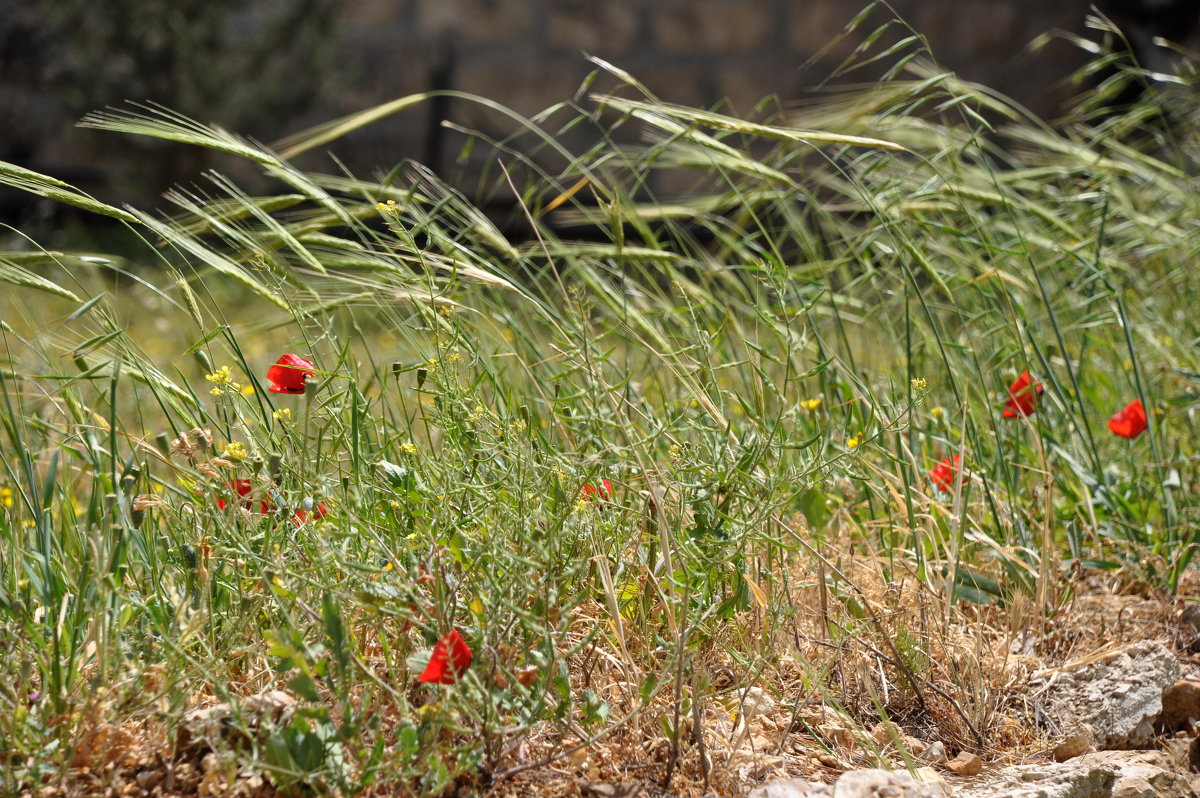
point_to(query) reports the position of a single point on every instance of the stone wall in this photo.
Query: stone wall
(525, 54)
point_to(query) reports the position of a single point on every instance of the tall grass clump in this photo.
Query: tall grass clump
(668, 465)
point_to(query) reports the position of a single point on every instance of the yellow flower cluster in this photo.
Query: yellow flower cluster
(812, 404)
(235, 451)
(223, 383)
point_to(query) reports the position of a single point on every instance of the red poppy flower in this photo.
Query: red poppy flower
(944, 472)
(243, 488)
(450, 658)
(289, 373)
(601, 492)
(1022, 396)
(310, 510)
(1130, 422)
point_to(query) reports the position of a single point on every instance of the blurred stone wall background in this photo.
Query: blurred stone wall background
(267, 68)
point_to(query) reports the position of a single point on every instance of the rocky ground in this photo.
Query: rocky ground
(1102, 700)
(1122, 725)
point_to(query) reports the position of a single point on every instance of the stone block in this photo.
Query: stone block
(607, 28)
(746, 85)
(813, 24)
(479, 21)
(526, 83)
(714, 26)
(975, 28)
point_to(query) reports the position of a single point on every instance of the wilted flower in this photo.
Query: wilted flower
(191, 441)
(146, 501)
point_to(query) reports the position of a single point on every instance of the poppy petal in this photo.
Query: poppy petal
(1130, 421)
(243, 488)
(1022, 396)
(942, 475)
(450, 658)
(601, 492)
(289, 374)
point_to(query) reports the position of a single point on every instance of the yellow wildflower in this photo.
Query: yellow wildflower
(6, 497)
(283, 414)
(247, 390)
(855, 441)
(812, 404)
(918, 383)
(937, 412)
(408, 448)
(234, 450)
(221, 376)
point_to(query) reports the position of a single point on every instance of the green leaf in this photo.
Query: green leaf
(400, 477)
(811, 503)
(304, 686)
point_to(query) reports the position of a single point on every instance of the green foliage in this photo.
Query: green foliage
(765, 369)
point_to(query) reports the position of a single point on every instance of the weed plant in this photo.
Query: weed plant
(641, 452)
